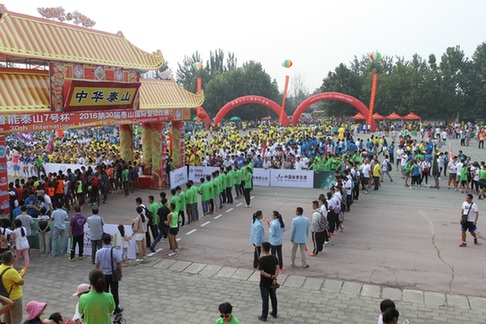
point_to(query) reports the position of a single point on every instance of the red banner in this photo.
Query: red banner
(372, 99)
(57, 120)
(4, 196)
(89, 95)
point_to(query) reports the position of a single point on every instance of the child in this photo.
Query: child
(125, 242)
(384, 305)
(35, 310)
(82, 289)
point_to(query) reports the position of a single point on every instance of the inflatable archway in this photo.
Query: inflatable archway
(257, 100)
(207, 120)
(332, 96)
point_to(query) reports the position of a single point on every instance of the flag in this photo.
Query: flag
(451, 156)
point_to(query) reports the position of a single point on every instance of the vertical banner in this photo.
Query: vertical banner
(372, 98)
(159, 156)
(282, 112)
(4, 197)
(178, 144)
(146, 147)
(126, 142)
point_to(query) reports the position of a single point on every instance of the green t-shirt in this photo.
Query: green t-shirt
(205, 191)
(482, 174)
(182, 201)
(96, 307)
(189, 196)
(222, 179)
(464, 173)
(248, 178)
(234, 320)
(230, 179)
(175, 201)
(195, 190)
(238, 176)
(154, 208)
(174, 223)
(125, 175)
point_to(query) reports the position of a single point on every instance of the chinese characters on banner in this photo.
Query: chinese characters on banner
(4, 196)
(58, 120)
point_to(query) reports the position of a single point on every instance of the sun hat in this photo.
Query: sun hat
(82, 288)
(34, 308)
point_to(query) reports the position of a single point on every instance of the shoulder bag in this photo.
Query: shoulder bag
(115, 273)
(464, 217)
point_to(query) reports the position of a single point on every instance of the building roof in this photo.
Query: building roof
(25, 91)
(28, 39)
(167, 94)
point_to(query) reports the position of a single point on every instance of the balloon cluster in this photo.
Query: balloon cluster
(198, 66)
(287, 63)
(375, 56)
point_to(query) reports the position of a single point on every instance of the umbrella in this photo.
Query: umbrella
(394, 115)
(378, 116)
(358, 116)
(411, 116)
(235, 118)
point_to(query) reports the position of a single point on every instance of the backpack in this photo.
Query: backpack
(3, 241)
(3, 290)
(149, 216)
(390, 168)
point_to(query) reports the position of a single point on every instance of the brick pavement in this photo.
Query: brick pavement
(171, 291)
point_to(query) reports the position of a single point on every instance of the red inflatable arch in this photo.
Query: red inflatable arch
(333, 96)
(257, 100)
(207, 119)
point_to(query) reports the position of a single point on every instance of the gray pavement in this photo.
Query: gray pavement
(397, 243)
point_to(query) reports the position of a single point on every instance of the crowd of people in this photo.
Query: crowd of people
(358, 165)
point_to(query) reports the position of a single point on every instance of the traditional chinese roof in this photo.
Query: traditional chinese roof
(28, 90)
(24, 90)
(167, 94)
(28, 39)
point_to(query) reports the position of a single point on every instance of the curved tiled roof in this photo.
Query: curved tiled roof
(167, 94)
(40, 39)
(24, 91)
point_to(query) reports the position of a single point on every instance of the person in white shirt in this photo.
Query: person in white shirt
(298, 165)
(366, 174)
(453, 168)
(425, 170)
(399, 154)
(471, 212)
(385, 168)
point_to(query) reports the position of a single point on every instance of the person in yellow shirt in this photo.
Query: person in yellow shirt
(12, 281)
(376, 174)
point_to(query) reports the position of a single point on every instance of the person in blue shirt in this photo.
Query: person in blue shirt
(276, 231)
(257, 236)
(299, 234)
(391, 151)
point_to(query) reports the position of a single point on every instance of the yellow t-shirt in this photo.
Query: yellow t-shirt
(10, 280)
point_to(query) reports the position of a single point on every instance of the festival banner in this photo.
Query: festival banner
(261, 177)
(4, 196)
(291, 178)
(198, 172)
(323, 179)
(22, 122)
(89, 95)
(178, 177)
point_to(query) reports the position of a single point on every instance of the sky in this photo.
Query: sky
(316, 35)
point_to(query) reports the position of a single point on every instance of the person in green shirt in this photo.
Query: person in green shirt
(182, 204)
(195, 190)
(189, 197)
(463, 178)
(238, 176)
(222, 179)
(225, 317)
(154, 208)
(97, 305)
(230, 182)
(124, 175)
(216, 197)
(205, 196)
(248, 185)
(482, 181)
(173, 223)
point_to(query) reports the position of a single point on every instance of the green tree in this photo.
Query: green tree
(186, 72)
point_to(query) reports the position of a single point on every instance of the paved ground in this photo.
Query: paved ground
(398, 243)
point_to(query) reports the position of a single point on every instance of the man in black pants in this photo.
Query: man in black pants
(269, 270)
(105, 262)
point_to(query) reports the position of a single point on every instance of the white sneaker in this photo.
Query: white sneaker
(172, 254)
(139, 260)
